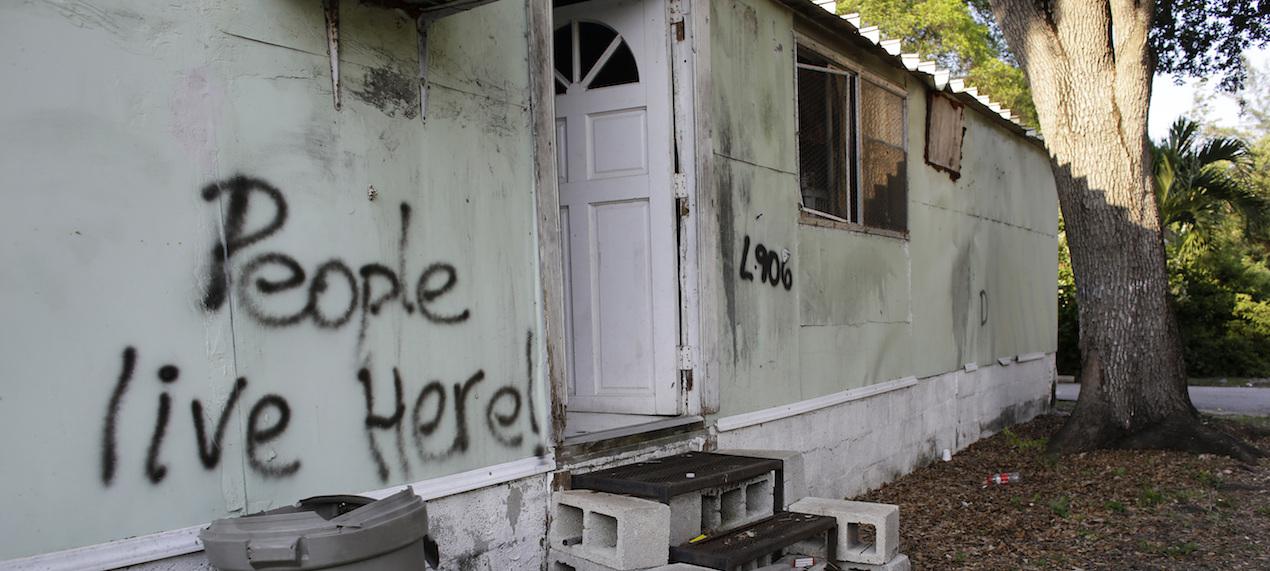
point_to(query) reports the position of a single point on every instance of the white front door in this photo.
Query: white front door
(613, 134)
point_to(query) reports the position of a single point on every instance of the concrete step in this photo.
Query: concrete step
(707, 492)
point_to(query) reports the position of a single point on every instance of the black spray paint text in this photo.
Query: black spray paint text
(771, 266)
(270, 415)
(262, 428)
(335, 292)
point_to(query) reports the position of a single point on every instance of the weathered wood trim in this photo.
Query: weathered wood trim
(684, 110)
(546, 194)
(808, 219)
(709, 250)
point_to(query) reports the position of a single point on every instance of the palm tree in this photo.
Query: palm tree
(1198, 184)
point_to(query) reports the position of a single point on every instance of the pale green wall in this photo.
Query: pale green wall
(864, 308)
(113, 117)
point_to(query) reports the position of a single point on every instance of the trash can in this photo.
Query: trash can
(349, 533)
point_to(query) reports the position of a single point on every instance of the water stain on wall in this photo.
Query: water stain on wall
(391, 91)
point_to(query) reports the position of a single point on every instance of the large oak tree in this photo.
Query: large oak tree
(1090, 65)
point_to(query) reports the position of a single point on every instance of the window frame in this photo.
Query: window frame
(845, 66)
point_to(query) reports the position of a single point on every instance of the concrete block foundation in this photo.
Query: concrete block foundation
(858, 445)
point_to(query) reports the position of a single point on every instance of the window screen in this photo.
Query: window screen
(884, 187)
(852, 155)
(826, 138)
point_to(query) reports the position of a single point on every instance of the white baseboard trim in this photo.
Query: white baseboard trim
(114, 554)
(177, 542)
(473, 479)
(785, 411)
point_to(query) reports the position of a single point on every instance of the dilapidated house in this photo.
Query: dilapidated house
(258, 251)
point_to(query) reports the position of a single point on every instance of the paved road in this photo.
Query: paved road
(1228, 400)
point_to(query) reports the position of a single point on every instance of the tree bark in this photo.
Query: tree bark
(1089, 66)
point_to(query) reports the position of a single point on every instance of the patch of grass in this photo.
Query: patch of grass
(1181, 550)
(1150, 497)
(959, 557)
(1207, 478)
(1115, 506)
(1119, 472)
(1061, 506)
(1263, 511)
(1184, 495)
(1019, 443)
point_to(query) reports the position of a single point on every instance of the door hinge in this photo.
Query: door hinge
(680, 184)
(686, 358)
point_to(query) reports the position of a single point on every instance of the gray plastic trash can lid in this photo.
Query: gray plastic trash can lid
(302, 537)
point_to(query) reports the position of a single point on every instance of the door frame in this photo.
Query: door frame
(699, 265)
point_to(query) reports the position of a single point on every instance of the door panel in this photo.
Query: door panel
(616, 206)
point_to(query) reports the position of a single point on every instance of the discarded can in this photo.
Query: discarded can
(1005, 478)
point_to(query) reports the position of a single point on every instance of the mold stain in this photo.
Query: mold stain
(390, 91)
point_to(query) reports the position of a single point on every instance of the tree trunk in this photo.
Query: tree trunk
(1092, 88)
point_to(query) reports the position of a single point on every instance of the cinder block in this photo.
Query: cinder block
(562, 561)
(885, 519)
(795, 471)
(685, 518)
(620, 532)
(714, 510)
(898, 563)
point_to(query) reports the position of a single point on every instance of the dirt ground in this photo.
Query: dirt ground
(1112, 509)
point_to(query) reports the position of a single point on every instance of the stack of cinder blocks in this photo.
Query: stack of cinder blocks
(853, 553)
(599, 531)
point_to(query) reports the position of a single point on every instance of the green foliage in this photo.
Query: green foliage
(1061, 506)
(959, 36)
(1115, 506)
(1150, 497)
(1068, 358)
(1019, 443)
(1198, 184)
(1205, 38)
(1181, 549)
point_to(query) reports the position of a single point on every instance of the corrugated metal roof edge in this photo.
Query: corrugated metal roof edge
(890, 51)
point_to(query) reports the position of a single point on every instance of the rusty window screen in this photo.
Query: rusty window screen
(827, 150)
(945, 130)
(884, 169)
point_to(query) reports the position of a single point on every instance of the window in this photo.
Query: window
(591, 55)
(851, 146)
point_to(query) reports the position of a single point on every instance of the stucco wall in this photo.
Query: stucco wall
(124, 127)
(864, 308)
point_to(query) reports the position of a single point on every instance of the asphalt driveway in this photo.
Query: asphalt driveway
(1219, 400)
